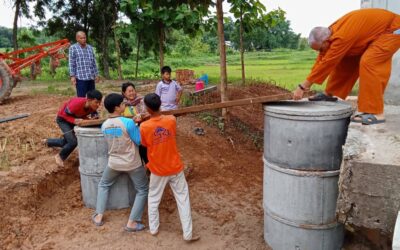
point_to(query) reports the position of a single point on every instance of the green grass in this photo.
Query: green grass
(285, 68)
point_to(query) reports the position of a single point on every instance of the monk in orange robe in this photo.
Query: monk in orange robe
(359, 45)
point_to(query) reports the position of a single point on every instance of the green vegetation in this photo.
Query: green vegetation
(273, 52)
(285, 68)
(150, 29)
(182, 34)
(5, 37)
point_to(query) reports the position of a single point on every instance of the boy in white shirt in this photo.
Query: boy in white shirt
(168, 90)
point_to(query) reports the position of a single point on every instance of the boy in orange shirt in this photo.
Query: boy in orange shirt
(158, 134)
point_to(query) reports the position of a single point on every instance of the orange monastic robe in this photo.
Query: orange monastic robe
(361, 46)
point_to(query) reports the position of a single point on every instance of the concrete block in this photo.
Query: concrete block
(369, 181)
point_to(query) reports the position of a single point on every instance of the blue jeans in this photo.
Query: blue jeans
(68, 143)
(139, 179)
(84, 86)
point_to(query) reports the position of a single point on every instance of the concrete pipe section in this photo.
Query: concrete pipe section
(302, 156)
(93, 158)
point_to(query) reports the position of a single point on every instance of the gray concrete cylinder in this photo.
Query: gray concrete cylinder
(305, 135)
(299, 208)
(93, 158)
(302, 156)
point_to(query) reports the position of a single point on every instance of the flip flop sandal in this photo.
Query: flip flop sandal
(98, 224)
(366, 119)
(322, 97)
(139, 227)
(370, 119)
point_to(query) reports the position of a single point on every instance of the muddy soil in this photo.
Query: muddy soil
(41, 204)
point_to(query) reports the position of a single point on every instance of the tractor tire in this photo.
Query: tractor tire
(6, 82)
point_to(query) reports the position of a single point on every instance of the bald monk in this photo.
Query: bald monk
(358, 45)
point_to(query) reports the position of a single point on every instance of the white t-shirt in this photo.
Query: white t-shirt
(168, 93)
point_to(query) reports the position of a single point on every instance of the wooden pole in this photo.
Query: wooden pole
(240, 102)
(222, 56)
(241, 45)
(7, 119)
(194, 109)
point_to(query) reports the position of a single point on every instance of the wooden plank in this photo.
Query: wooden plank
(195, 109)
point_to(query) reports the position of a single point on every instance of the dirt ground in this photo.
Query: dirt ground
(41, 204)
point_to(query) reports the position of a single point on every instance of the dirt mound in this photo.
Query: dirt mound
(20, 140)
(28, 174)
(41, 204)
(39, 197)
(250, 115)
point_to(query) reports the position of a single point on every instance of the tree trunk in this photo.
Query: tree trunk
(161, 42)
(137, 55)
(104, 49)
(118, 50)
(86, 18)
(15, 25)
(242, 46)
(222, 54)
(116, 41)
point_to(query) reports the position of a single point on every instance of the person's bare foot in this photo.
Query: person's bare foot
(98, 218)
(59, 161)
(44, 142)
(193, 239)
(380, 116)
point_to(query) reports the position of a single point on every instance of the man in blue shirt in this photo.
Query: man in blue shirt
(82, 65)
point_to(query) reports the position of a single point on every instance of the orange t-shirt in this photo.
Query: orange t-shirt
(158, 134)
